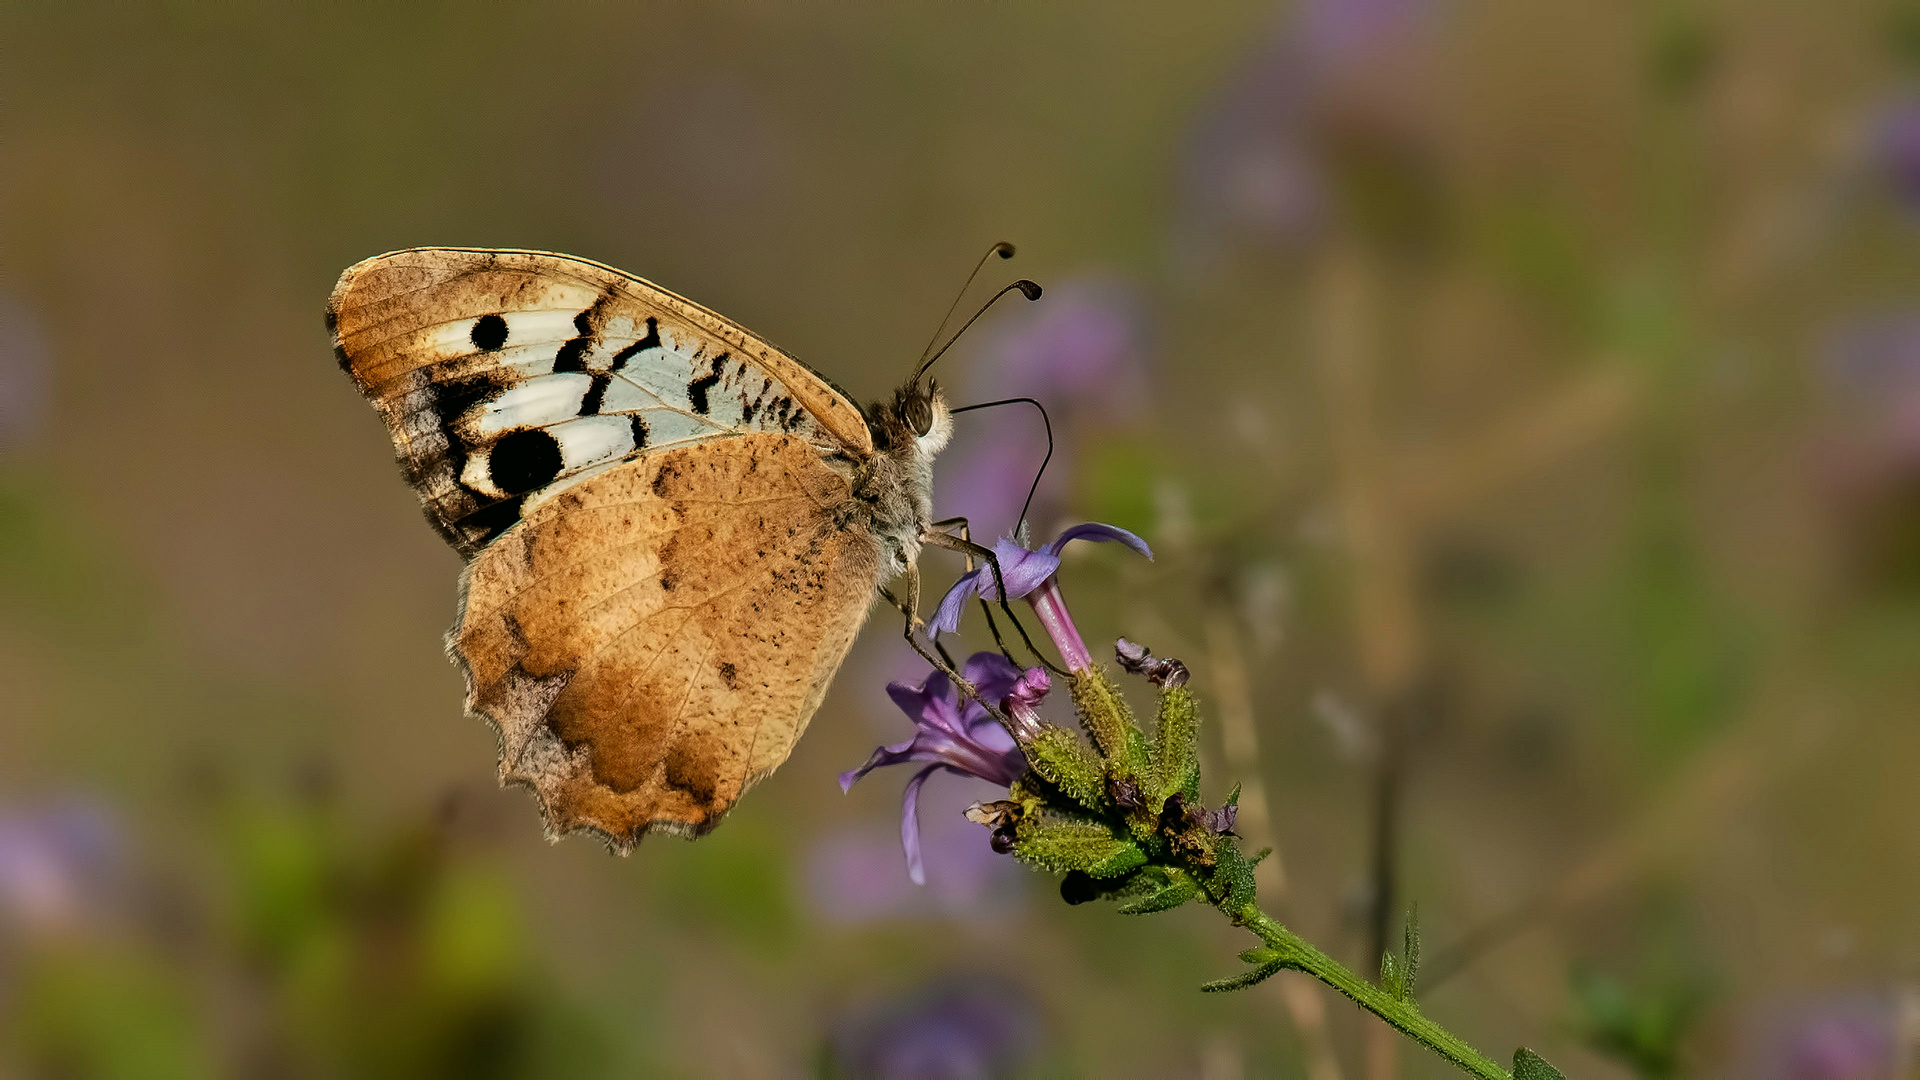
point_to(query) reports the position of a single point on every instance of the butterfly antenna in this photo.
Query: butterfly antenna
(1002, 249)
(1028, 289)
(1021, 521)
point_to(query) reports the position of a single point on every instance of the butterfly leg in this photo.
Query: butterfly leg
(968, 547)
(986, 609)
(942, 663)
(901, 606)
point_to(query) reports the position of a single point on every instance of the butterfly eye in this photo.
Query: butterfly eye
(919, 413)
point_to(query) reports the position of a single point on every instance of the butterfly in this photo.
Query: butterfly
(674, 530)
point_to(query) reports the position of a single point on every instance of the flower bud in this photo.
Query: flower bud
(1023, 703)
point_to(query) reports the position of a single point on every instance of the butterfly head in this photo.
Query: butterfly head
(917, 417)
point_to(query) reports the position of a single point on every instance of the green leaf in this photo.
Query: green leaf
(1245, 979)
(1104, 712)
(1090, 849)
(1410, 956)
(1062, 760)
(1231, 882)
(1169, 888)
(1176, 757)
(1528, 1065)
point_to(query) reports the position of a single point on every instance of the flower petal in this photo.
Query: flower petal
(881, 757)
(993, 675)
(934, 703)
(946, 620)
(1030, 689)
(1093, 530)
(910, 824)
(1023, 570)
(989, 735)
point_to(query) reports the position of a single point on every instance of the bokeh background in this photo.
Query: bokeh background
(1522, 398)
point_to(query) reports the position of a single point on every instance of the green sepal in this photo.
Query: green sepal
(1259, 956)
(1161, 888)
(1232, 878)
(1062, 760)
(1176, 755)
(1245, 979)
(1090, 849)
(1528, 1065)
(1104, 711)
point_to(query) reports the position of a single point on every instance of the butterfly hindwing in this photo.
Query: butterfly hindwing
(506, 376)
(652, 640)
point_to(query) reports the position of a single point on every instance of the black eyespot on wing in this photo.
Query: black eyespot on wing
(489, 332)
(525, 460)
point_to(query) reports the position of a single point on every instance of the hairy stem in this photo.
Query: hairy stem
(1297, 953)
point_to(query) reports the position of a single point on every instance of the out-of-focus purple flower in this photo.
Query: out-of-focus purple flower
(1029, 575)
(1867, 459)
(1256, 166)
(1083, 352)
(1897, 149)
(1874, 364)
(952, 734)
(1084, 348)
(956, 1031)
(26, 372)
(853, 875)
(57, 864)
(1852, 1037)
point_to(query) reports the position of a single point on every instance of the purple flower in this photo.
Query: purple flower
(950, 734)
(57, 863)
(1897, 148)
(852, 875)
(26, 366)
(960, 1031)
(1084, 353)
(1844, 1037)
(1874, 365)
(1023, 701)
(1260, 164)
(1030, 575)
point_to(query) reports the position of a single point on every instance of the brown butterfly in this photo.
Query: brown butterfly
(674, 529)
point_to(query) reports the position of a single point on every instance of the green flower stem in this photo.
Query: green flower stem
(1297, 953)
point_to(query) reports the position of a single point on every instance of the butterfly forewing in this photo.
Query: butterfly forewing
(505, 376)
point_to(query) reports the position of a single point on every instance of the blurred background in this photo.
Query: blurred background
(1522, 398)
